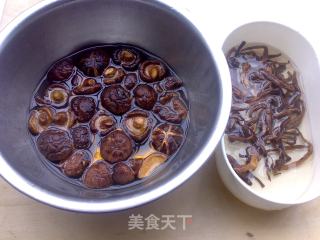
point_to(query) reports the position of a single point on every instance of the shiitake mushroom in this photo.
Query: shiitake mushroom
(64, 118)
(83, 107)
(88, 86)
(81, 137)
(116, 99)
(113, 75)
(122, 174)
(171, 108)
(150, 163)
(129, 59)
(93, 62)
(61, 71)
(102, 123)
(56, 95)
(145, 96)
(116, 146)
(135, 165)
(76, 164)
(98, 175)
(40, 119)
(172, 83)
(152, 71)
(167, 138)
(55, 144)
(130, 81)
(138, 124)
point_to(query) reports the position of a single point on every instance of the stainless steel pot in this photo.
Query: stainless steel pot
(52, 29)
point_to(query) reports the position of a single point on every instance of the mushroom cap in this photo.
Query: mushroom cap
(81, 137)
(150, 163)
(152, 71)
(55, 144)
(83, 107)
(172, 83)
(64, 118)
(167, 138)
(116, 99)
(145, 96)
(93, 62)
(122, 174)
(88, 86)
(116, 146)
(61, 71)
(135, 164)
(171, 108)
(98, 175)
(138, 124)
(56, 95)
(102, 123)
(75, 165)
(129, 59)
(40, 119)
(130, 81)
(113, 75)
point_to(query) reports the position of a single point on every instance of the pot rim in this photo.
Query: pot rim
(55, 200)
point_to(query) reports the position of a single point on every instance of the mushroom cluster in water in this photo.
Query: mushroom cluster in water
(109, 115)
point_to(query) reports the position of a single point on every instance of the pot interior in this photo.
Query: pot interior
(61, 28)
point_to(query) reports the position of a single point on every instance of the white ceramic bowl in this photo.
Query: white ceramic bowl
(298, 49)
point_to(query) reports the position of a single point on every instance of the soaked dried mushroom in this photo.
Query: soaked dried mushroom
(135, 164)
(130, 81)
(116, 99)
(40, 119)
(152, 71)
(113, 75)
(75, 165)
(81, 137)
(56, 95)
(167, 138)
(64, 118)
(88, 86)
(98, 175)
(83, 107)
(171, 108)
(145, 96)
(55, 144)
(138, 124)
(61, 71)
(151, 163)
(172, 83)
(129, 59)
(122, 174)
(92, 63)
(102, 123)
(116, 146)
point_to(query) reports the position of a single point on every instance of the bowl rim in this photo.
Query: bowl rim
(27, 187)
